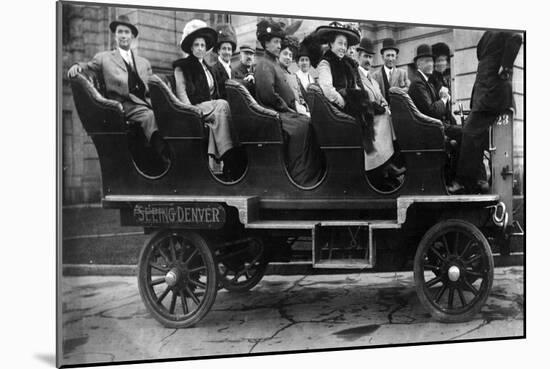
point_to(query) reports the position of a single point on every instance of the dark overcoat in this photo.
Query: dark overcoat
(424, 97)
(220, 74)
(495, 49)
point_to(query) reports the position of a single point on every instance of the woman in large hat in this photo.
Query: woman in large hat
(197, 85)
(304, 158)
(339, 78)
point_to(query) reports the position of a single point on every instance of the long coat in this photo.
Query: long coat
(220, 74)
(424, 97)
(490, 92)
(304, 157)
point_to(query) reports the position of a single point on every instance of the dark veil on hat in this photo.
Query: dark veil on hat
(311, 46)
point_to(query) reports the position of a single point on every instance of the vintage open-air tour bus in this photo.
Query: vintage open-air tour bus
(208, 233)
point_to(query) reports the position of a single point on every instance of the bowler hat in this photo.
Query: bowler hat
(197, 28)
(441, 48)
(268, 29)
(123, 20)
(348, 30)
(226, 33)
(423, 50)
(387, 44)
(247, 49)
(366, 45)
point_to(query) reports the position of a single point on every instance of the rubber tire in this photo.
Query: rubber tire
(211, 288)
(249, 284)
(426, 241)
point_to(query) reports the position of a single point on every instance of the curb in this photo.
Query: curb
(274, 268)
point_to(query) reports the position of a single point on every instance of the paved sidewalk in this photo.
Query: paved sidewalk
(104, 319)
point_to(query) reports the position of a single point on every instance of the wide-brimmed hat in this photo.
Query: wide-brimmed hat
(197, 28)
(441, 48)
(311, 47)
(423, 50)
(247, 49)
(387, 44)
(366, 45)
(226, 33)
(124, 21)
(348, 30)
(268, 28)
(292, 43)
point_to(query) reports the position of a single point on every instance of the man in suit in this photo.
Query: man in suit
(244, 72)
(225, 46)
(125, 76)
(492, 96)
(389, 75)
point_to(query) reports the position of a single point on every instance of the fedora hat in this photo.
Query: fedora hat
(247, 49)
(387, 44)
(226, 33)
(197, 28)
(366, 45)
(123, 20)
(423, 50)
(267, 29)
(441, 48)
(348, 30)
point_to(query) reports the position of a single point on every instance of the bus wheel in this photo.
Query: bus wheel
(453, 271)
(242, 266)
(177, 278)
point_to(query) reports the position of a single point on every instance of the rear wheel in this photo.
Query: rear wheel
(453, 271)
(177, 278)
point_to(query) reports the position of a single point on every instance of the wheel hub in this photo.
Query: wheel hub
(176, 275)
(454, 273)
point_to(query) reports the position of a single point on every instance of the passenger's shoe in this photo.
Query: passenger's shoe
(455, 188)
(394, 171)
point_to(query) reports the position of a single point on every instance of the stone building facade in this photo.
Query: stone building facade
(85, 32)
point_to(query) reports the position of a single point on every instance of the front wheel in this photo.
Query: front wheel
(453, 271)
(177, 278)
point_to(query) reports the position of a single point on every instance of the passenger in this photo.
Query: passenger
(225, 46)
(304, 157)
(244, 73)
(441, 76)
(492, 95)
(196, 85)
(304, 65)
(389, 75)
(125, 76)
(435, 105)
(380, 158)
(342, 85)
(289, 48)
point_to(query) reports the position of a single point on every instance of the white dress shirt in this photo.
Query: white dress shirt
(305, 78)
(127, 56)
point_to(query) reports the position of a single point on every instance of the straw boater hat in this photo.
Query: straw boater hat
(348, 30)
(124, 21)
(226, 33)
(366, 45)
(441, 48)
(423, 50)
(197, 28)
(267, 29)
(389, 44)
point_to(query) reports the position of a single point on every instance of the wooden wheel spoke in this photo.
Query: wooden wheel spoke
(437, 254)
(474, 274)
(157, 281)
(440, 293)
(431, 267)
(158, 267)
(164, 294)
(191, 256)
(472, 260)
(164, 254)
(184, 302)
(470, 287)
(451, 297)
(198, 269)
(468, 245)
(173, 302)
(197, 283)
(433, 282)
(461, 296)
(456, 244)
(192, 295)
(446, 244)
(172, 249)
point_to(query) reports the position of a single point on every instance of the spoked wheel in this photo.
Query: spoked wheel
(177, 278)
(241, 266)
(453, 271)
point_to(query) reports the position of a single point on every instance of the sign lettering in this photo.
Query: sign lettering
(208, 215)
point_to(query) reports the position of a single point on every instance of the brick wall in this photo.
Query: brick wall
(86, 32)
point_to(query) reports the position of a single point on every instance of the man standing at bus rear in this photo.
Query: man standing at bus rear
(492, 96)
(125, 76)
(389, 75)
